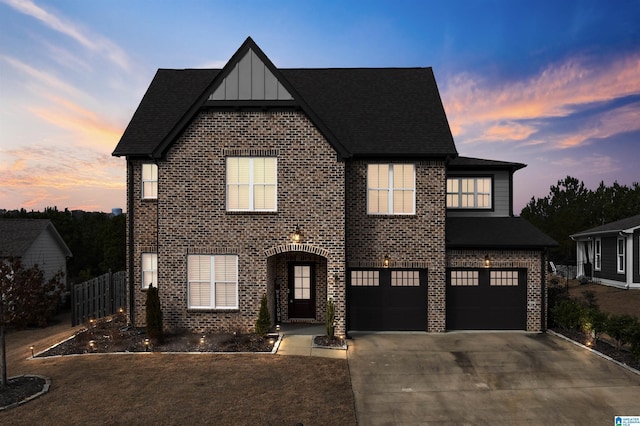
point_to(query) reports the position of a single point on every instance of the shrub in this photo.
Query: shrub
(154, 314)
(634, 341)
(593, 322)
(567, 314)
(263, 324)
(622, 328)
(330, 319)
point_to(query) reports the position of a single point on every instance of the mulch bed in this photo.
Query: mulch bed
(20, 388)
(621, 355)
(114, 335)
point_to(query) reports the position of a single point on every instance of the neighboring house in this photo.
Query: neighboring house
(35, 242)
(315, 184)
(610, 254)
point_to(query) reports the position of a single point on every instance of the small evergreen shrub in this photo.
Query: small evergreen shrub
(567, 314)
(622, 329)
(593, 322)
(153, 314)
(263, 324)
(330, 319)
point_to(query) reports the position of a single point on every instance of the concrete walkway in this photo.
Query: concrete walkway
(297, 339)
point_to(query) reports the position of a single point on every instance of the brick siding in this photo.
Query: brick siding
(418, 238)
(193, 218)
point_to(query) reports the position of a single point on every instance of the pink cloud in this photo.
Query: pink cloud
(477, 112)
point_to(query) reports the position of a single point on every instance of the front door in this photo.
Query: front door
(302, 302)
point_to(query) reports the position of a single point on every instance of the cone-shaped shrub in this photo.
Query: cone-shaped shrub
(154, 314)
(331, 316)
(264, 319)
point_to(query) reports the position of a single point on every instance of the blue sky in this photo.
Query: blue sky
(553, 84)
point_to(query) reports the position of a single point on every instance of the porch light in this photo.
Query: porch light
(487, 261)
(386, 261)
(296, 237)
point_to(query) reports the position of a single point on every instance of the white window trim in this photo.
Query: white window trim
(213, 282)
(621, 257)
(390, 189)
(251, 187)
(475, 192)
(142, 270)
(154, 181)
(597, 256)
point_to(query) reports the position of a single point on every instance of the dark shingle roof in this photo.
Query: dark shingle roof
(19, 234)
(169, 97)
(361, 111)
(469, 163)
(495, 232)
(613, 227)
(378, 111)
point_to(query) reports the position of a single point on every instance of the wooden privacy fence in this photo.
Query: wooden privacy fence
(98, 297)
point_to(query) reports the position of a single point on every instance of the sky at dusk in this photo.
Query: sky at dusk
(552, 84)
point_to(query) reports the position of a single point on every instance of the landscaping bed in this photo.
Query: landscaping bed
(112, 334)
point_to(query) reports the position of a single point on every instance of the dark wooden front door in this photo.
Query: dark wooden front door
(302, 303)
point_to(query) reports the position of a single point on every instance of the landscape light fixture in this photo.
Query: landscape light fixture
(386, 261)
(146, 345)
(296, 237)
(487, 261)
(31, 347)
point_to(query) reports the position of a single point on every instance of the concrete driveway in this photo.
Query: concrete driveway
(485, 378)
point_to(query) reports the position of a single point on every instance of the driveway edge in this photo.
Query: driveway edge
(600, 354)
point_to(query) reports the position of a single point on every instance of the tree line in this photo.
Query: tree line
(571, 207)
(96, 239)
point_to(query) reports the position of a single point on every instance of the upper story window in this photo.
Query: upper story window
(597, 261)
(251, 184)
(391, 189)
(469, 193)
(620, 254)
(149, 181)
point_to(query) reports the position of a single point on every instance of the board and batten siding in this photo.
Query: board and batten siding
(250, 79)
(501, 196)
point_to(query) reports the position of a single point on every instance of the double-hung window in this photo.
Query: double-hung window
(621, 243)
(469, 193)
(149, 181)
(149, 270)
(391, 189)
(251, 184)
(212, 281)
(597, 258)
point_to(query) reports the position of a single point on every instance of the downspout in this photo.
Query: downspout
(543, 292)
(131, 248)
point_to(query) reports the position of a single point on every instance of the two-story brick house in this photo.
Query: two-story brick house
(315, 184)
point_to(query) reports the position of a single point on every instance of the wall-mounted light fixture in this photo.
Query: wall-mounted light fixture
(487, 261)
(296, 237)
(386, 261)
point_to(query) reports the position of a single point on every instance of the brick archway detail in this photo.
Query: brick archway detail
(291, 247)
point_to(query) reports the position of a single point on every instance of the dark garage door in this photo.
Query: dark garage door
(387, 299)
(486, 299)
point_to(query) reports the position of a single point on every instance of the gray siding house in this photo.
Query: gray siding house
(610, 254)
(310, 185)
(34, 242)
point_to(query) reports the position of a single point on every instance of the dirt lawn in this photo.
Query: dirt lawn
(611, 300)
(156, 388)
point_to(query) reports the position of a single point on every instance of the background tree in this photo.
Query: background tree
(570, 208)
(96, 239)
